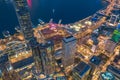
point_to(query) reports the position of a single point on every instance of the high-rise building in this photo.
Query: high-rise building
(43, 55)
(46, 55)
(25, 23)
(37, 57)
(23, 15)
(69, 50)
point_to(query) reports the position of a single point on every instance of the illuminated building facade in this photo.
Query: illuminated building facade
(25, 23)
(37, 57)
(22, 64)
(43, 57)
(69, 50)
(46, 55)
(21, 60)
(6, 72)
(23, 15)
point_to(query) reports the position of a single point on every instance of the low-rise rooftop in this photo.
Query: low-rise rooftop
(95, 60)
(82, 68)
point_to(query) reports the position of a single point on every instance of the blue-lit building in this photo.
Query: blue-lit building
(115, 71)
(107, 76)
(69, 50)
(95, 60)
(81, 71)
(118, 27)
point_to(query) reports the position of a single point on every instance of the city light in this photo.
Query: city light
(84, 49)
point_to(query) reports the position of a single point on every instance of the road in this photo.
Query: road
(80, 35)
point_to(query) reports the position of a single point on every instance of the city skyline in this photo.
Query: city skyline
(84, 49)
(51, 10)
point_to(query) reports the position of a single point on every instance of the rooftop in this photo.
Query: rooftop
(107, 76)
(47, 44)
(23, 63)
(56, 38)
(117, 59)
(82, 69)
(115, 71)
(3, 59)
(95, 60)
(108, 46)
(69, 39)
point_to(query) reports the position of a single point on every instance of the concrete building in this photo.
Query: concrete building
(108, 46)
(69, 50)
(47, 58)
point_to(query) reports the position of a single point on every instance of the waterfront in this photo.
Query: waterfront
(45, 10)
(64, 51)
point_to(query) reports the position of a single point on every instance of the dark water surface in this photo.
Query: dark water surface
(68, 10)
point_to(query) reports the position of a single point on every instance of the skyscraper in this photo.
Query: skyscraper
(43, 55)
(23, 15)
(25, 23)
(48, 62)
(37, 57)
(69, 50)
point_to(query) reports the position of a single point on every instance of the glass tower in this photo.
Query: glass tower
(24, 19)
